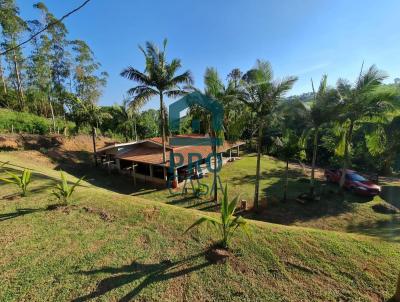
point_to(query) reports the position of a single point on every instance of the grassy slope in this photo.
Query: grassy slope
(354, 214)
(140, 252)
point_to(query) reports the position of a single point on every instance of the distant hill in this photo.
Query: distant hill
(304, 97)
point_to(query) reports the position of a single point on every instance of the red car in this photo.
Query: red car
(353, 182)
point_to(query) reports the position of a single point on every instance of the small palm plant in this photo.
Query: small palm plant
(228, 223)
(63, 191)
(21, 181)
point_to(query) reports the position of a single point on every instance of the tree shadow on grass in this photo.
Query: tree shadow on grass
(150, 273)
(18, 170)
(391, 194)
(18, 213)
(388, 230)
(80, 163)
(291, 211)
(274, 173)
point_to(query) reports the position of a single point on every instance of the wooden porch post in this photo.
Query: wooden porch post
(165, 173)
(134, 174)
(151, 170)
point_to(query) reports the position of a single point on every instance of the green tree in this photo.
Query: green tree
(88, 88)
(383, 143)
(360, 101)
(290, 147)
(159, 78)
(147, 126)
(225, 95)
(13, 26)
(54, 48)
(261, 94)
(39, 73)
(126, 117)
(87, 112)
(88, 81)
(323, 110)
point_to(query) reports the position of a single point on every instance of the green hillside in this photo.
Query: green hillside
(108, 246)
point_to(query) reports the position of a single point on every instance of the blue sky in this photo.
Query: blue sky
(306, 38)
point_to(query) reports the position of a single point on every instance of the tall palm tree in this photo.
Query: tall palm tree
(86, 112)
(225, 94)
(126, 116)
(322, 111)
(359, 101)
(290, 146)
(159, 78)
(261, 93)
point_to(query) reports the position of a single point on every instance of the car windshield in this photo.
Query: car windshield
(355, 177)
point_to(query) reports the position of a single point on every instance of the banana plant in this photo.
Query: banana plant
(227, 224)
(21, 181)
(63, 191)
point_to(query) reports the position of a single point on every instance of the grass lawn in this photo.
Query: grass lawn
(108, 246)
(353, 214)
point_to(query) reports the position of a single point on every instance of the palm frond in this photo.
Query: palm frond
(173, 67)
(369, 80)
(282, 87)
(184, 78)
(135, 75)
(140, 99)
(176, 93)
(211, 220)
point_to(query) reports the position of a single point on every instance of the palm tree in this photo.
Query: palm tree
(159, 78)
(383, 143)
(359, 101)
(86, 112)
(126, 117)
(262, 94)
(322, 111)
(215, 88)
(289, 147)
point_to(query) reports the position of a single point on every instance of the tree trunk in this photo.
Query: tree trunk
(286, 181)
(259, 150)
(214, 150)
(314, 159)
(397, 294)
(346, 155)
(19, 84)
(3, 80)
(136, 138)
(52, 113)
(94, 145)
(163, 126)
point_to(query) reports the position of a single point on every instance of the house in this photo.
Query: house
(143, 160)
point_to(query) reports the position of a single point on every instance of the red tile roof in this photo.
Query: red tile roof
(153, 155)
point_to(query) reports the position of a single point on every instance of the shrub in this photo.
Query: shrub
(63, 191)
(21, 181)
(228, 223)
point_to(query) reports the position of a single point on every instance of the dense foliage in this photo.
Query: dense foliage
(13, 121)
(54, 85)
